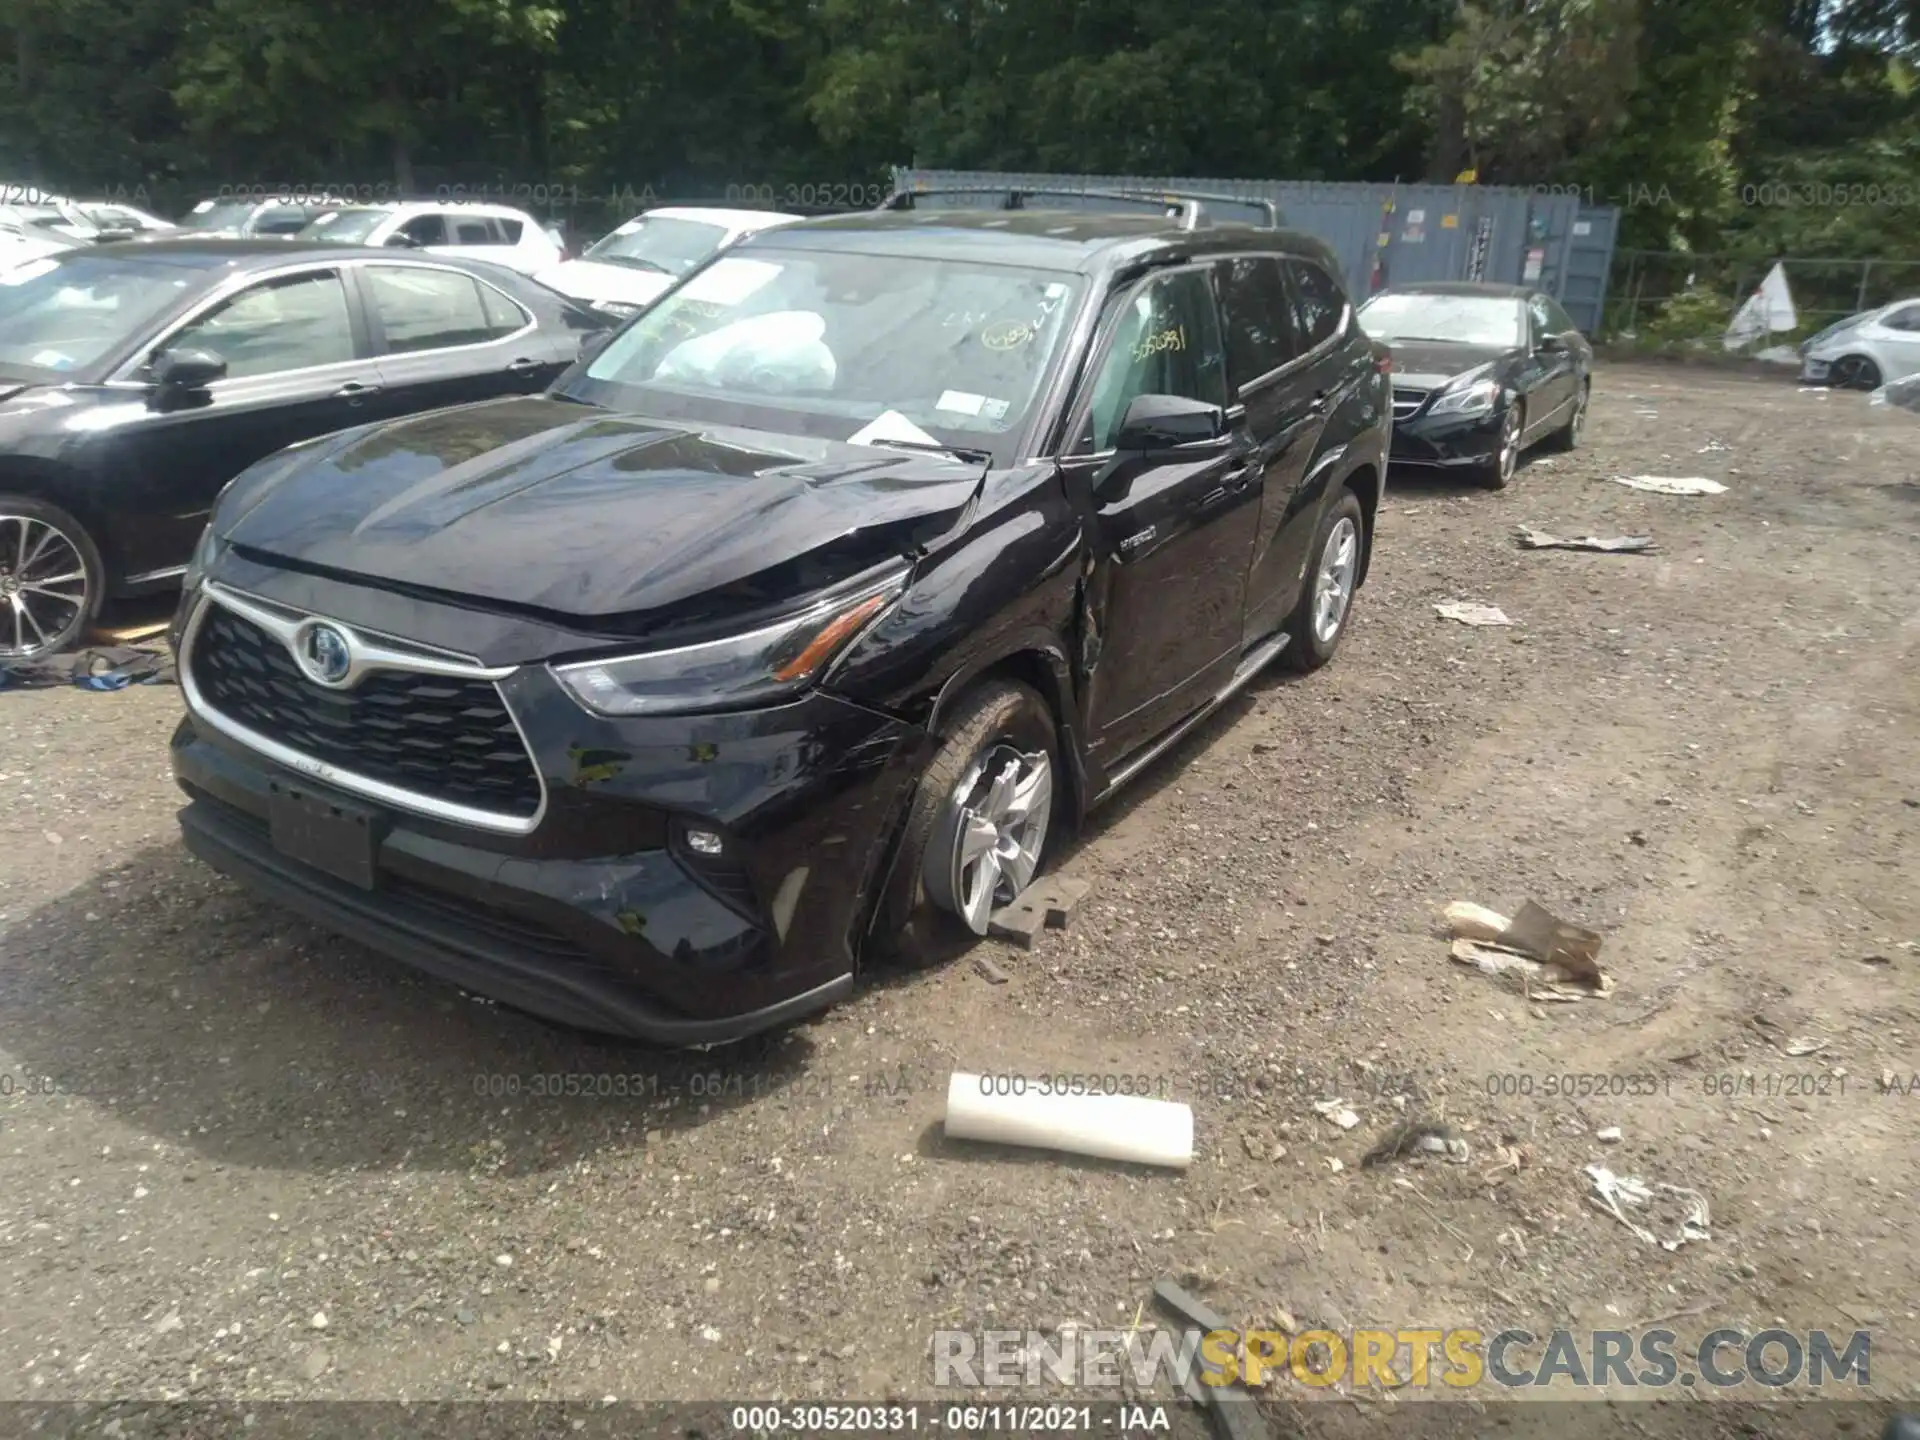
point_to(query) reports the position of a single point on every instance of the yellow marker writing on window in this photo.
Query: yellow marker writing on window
(1006, 335)
(1173, 339)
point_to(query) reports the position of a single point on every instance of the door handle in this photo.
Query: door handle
(522, 366)
(1242, 478)
(354, 390)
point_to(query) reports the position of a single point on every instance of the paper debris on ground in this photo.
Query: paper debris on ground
(1470, 614)
(1551, 958)
(1336, 1112)
(1532, 539)
(1468, 921)
(1679, 1211)
(1553, 941)
(1608, 1135)
(1671, 484)
(1535, 933)
(1803, 1045)
(1419, 1136)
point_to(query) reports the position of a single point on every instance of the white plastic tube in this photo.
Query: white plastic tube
(1112, 1127)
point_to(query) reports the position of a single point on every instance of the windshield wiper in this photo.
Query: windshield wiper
(934, 447)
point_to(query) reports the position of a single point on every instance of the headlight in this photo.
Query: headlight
(204, 554)
(1474, 398)
(765, 664)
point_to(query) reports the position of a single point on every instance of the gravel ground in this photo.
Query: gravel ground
(245, 1159)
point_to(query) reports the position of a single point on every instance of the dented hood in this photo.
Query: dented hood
(582, 512)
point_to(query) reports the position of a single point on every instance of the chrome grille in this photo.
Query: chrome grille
(440, 737)
(1408, 402)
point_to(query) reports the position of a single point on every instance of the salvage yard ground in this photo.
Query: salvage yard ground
(278, 1166)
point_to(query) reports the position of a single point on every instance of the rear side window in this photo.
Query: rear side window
(424, 309)
(509, 229)
(279, 220)
(426, 229)
(1904, 319)
(1318, 302)
(504, 316)
(472, 232)
(1259, 318)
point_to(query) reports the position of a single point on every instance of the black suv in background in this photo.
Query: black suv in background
(802, 616)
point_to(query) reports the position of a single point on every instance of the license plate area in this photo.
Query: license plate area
(333, 836)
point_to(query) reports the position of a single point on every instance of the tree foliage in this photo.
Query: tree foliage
(1678, 109)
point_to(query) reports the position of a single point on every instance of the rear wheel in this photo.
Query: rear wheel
(1856, 372)
(977, 830)
(51, 578)
(1326, 600)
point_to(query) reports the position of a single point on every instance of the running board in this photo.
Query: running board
(1250, 665)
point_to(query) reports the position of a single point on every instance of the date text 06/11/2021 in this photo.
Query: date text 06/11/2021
(1108, 1419)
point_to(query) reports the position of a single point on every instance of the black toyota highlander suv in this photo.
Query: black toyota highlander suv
(793, 624)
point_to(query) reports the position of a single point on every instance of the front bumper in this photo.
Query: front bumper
(598, 916)
(1815, 372)
(1447, 441)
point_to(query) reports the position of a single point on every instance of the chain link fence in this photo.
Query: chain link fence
(1670, 295)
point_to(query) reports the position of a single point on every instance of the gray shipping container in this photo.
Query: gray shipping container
(1399, 234)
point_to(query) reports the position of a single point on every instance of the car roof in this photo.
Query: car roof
(219, 252)
(1461, 287)
(423, 207)
(1090, 241)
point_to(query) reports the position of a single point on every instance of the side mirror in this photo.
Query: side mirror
(398, 241)
(1551, 345)
(1160, 422)
(188, 369)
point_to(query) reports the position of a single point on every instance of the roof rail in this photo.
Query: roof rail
(1188, 207)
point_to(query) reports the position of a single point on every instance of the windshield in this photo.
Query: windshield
(219, 215)
(1457, 319)
(847, 346)
(63, 312)
(659, 242)
(349, 227)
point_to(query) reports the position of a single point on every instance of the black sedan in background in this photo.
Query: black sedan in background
(136, 380)
(1480, 373)
(806, 614)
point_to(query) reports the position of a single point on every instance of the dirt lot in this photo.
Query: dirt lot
(1712, 753)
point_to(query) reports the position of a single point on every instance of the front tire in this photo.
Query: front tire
(976, 833)
(51, 578)
(1326, 598)
(1498, 472)
(1568, 436)
(1856, 372)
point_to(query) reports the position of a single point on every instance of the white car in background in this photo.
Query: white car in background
(111, 216)
(19, 246)
(479, 232)
(49, 218)
(1865, 351)
(627, 270)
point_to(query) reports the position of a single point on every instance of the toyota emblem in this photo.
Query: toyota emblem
(324, 653)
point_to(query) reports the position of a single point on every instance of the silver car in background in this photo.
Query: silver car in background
(1865, 351)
